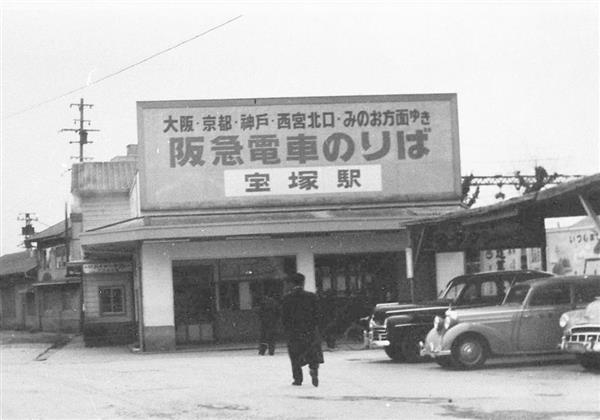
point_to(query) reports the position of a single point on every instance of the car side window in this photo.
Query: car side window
(585, 293)
(470, 293)
(553, 294)
(453, 292)
(490, 293)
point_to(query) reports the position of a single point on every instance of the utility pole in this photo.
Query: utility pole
(28, 230)
(83, 133)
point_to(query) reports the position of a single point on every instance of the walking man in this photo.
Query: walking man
(300, 318)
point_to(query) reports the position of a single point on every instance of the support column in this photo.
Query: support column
(410, 272)
(158, 313)
(305, 264)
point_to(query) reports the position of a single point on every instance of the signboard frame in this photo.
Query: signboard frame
(146, 186)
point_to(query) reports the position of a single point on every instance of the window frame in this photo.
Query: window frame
(123, 300)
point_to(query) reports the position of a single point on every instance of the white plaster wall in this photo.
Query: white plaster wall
(157, 285)
(447, 266)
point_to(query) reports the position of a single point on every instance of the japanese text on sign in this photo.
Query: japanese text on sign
(302, 180)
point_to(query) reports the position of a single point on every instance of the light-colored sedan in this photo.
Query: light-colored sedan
(581, 334)
(527, 322)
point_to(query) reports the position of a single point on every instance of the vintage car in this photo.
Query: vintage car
(527, 322)
(581, 334)
(399, 329)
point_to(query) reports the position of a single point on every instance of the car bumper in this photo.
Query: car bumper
(433, 345)
(378, 339)
(579, 347)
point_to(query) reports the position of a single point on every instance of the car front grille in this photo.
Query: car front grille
(584, 334)
(379, 334)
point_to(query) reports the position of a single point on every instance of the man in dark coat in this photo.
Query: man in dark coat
(300, 317)
(269, 315)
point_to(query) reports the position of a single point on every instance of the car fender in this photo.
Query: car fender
(497, 343)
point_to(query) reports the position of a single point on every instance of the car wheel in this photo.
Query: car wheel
(469, 352)
(394, 353)
(444, 361)
(411, 349)
(589, 361)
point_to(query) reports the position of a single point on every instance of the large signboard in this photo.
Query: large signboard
(298, 151)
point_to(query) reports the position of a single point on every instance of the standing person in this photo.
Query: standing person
(329, 321)
(268, 313)
(300, 317)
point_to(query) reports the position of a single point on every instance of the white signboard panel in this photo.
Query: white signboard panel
(302, 180)
(263, 152)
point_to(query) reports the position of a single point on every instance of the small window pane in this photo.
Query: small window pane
(111, 300)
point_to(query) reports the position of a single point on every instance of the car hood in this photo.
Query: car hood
(592, 312)
(589, 315)
(385, 310)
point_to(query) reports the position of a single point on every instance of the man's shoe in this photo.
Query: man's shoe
(296, 383)
(314, 374)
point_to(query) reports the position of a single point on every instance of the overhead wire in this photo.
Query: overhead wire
(108, 76)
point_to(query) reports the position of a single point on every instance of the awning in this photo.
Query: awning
(274, 223)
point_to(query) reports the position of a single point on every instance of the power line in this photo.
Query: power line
(124, 68)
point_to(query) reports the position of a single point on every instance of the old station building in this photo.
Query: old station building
(228, 196)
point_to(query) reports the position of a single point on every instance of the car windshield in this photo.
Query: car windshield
(452, 291)
(517, 294)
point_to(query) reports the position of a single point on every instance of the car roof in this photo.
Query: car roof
(561, 280)
(486, 274)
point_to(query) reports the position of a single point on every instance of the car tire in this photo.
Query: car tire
(589, 361)
(411, 351)
(394, 353)
(469, 352)
(444, 361)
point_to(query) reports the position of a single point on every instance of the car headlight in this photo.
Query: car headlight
(564, 320)
(373, 324)
(438, 322)
(450, 320)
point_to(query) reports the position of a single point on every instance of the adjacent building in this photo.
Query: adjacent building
(18, 271)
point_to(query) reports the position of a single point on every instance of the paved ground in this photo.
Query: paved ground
(104, 383)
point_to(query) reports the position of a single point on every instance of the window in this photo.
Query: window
(229, 295)
(554, 294)
(517, 294)
(60, 256)
(453, 291)
(112, 300)
(260, 288)
(585, 293)
(489, 289)
(470, 293)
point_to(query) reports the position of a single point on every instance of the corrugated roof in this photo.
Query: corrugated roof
(102, 177)
(559, 201)
(19, 262)
(54, 231)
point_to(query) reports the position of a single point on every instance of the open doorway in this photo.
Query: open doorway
(194, 297)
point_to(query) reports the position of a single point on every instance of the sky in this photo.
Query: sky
(525, 74)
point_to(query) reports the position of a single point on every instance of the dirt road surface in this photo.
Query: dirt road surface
(74, 382)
